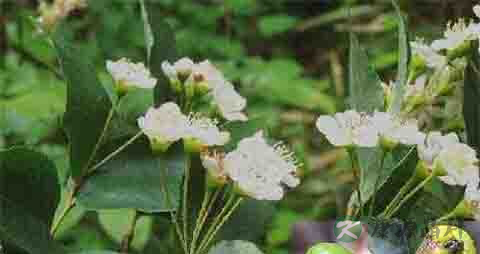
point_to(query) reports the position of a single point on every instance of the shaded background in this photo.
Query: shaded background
(288, 57)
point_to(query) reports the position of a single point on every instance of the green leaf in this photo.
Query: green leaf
(117, 222)
(235, 247)
(28, 198)
(276, 24)
(96, 252)
(366, 94)
(88, 105)
(134, 105)
(403, 60)
(135, 179)
(163, 48)
(249, 221)
(471, 105)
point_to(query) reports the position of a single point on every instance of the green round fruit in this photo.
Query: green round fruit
(328, 248)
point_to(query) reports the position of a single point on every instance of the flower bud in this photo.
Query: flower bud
(193, 145)
(328, 248)
(418, 66)
(159, 146)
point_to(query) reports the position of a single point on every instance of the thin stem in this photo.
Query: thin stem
(128, 237)
(450, 215)
(353, 160)
(219, 226)
(116, 152)
(380, 176)
(186, 184)
(102, 136)
(405, 188)
(410, 195)
(69, 206)
(217, 220)
(198, 223)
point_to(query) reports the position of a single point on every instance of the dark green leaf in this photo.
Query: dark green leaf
(403, 60)
(366, 94)
(88, 105)
(249, 222)
(29, 194)
(135, 179)
(162, 49)
(134, 104)
(117, 222)
(471, 106)
(235, 247)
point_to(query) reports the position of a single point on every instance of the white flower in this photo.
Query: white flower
(206, 71)
(126, 73)
(183, 66)
(434, 144)
(393, 130)
(165, 124)
(432, 58)
(230, 103)
(205, 130)
(459, 161)
(455, 35)
(348, 128)
(259, 170)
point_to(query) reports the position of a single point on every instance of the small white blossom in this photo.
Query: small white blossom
(434, 144)
(183, 66)
(165, 124)
(205, 130)
(459, 161)
(432, 58)
(126, 73)
(393, 130)
(230, 103)
(259, 170)
(455, 35)
(348, 128)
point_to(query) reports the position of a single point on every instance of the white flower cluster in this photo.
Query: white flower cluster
(205, 77)
(128, 74)
(454, 38)
(258, 170)
(455, 162)
(167, 124)
(351, 128)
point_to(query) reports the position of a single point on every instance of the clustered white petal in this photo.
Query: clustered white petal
(206, 131)
(258, 169)
(364, 130)
(168, 124)
(128, 73)
(348, 128)
(230, 103)
(455, 34)
(456, 160)
(164, 124)
(431, 56)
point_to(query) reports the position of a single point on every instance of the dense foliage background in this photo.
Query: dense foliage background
(288, 57)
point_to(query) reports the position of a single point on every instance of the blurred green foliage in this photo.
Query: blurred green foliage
(287, 57)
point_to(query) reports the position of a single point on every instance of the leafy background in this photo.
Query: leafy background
(287, 57)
